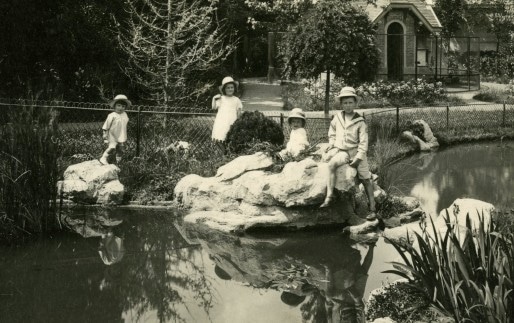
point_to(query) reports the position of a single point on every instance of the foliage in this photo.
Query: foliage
(403, 93)
(28, 169)
(333, 36)
(496, 95)
(173, 48)
(62, 49)
(251, 127)
(451, 13)
(467, 275)
(400, 302)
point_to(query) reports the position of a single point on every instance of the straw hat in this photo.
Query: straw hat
(227, 80)
(347, 91)
(120, 97)
(296, 113)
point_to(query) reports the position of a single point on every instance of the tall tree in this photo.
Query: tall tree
(452, 14)
(172, 46)
(332, 37)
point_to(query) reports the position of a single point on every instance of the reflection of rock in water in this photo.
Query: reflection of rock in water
(89, 223)
(322, 272)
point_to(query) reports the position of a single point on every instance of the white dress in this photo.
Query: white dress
(228, 107)
(297, 143)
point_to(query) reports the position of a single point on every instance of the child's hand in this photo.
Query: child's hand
(330, 146)
(217, 97)
(355, 162)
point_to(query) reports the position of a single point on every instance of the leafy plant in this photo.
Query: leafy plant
(253, 127)
(467, 275)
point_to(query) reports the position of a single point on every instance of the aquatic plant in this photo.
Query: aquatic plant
(468, 278)
(28, 169)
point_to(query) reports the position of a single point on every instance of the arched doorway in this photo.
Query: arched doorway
(395, 48)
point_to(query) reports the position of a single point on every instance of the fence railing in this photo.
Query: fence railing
(153, 130)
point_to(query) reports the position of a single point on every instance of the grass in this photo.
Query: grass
(28, 172)
(494, 95)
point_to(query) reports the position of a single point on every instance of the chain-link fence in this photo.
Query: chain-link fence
(157, 129)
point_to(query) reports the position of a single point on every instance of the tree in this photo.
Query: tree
(332, 37)
(452, 15)
(172, 46)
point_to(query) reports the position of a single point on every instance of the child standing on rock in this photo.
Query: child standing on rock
(348, 144)
(115, 129)
(229, 108)
(298, 141)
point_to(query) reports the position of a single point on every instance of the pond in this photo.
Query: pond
(145, 266)
(481, 171)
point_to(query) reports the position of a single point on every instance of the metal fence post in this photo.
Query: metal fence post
(503, 115)
(397, 120)
(138, 131)
(282, 120)
(447, 117)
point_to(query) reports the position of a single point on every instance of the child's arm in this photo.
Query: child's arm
(215, 101)
(362, 148)
(239, 108)
(106, 126)
(331, 134)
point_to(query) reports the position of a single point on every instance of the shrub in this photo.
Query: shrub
(496, 95)
(253, 127)
(403, 93)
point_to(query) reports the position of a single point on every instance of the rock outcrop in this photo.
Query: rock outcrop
(92, 182)
(244, 194)
(424, 139)
(455, 214)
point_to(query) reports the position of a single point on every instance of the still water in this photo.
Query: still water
(144, 266)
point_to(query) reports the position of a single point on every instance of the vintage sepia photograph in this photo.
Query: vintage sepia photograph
(257, 161)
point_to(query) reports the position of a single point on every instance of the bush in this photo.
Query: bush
(253, 127)
(403, 93)
(496, 95)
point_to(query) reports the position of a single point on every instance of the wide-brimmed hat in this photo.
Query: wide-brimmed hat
(120, 97)
(347, 91)
(296, 113)
(227, 80)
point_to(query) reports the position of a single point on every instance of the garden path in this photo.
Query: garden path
(260, 95)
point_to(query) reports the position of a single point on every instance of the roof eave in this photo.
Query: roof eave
(430, 27)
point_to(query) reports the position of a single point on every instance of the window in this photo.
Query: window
(422, 57)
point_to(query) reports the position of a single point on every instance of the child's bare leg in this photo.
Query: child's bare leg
(334, 163)
(119, 152)
(105, 157)
(368, 188)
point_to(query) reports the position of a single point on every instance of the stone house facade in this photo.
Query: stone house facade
(406, 36)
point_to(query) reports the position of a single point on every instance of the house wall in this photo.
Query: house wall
(409, 21)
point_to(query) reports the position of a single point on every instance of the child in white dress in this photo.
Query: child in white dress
(115, 129)
(298, 141)
(229, 108)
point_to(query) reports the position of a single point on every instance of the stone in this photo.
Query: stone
(428, 142)
(111, 192)
(457, 212)
(460, 208)
(261, 193)
(244, 164)
(90, 182)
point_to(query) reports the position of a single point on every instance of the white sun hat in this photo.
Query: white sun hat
(120, 97)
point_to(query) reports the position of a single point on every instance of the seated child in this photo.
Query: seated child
(298, 139)
(348, 143)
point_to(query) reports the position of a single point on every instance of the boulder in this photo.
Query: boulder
(427, 141)
(250, 196)
(244, 164)
(92, 182)
(454, 214)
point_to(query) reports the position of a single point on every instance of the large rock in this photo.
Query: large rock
(247, 197)
(92, 182)
(455, 214)
(428, 140)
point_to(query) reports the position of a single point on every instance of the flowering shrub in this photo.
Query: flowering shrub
(403, 93)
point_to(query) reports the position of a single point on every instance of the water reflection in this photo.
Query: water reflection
(481, 171)
(324, 276)
(149, 269)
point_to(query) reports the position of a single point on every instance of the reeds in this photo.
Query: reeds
(28, 168)
(467, 275)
